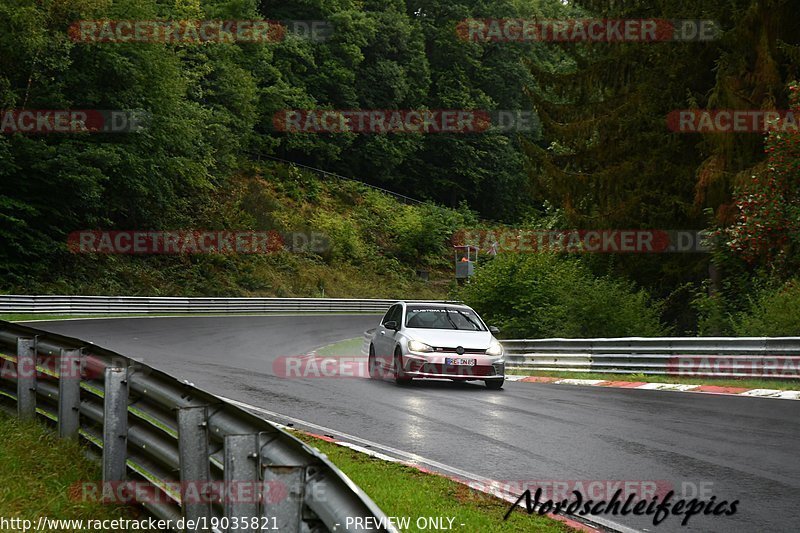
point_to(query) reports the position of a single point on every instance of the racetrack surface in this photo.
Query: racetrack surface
(738, 448)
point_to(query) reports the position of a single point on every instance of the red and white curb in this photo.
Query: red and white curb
(677, 387)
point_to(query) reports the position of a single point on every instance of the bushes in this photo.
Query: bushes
(422, 233)
(773, 313)
(375, 245)
(542, 295)
(346, 244)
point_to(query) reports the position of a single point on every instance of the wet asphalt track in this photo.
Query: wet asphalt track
(746, 448)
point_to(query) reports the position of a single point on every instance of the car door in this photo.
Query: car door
(385, 338)
(391, 334)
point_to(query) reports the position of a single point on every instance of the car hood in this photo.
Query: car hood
(451, 338)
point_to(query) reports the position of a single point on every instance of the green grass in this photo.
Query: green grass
(400, 490)
(39, 473)
(750, 383)
(346, 348)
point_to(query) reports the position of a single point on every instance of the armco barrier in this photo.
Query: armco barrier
(759, 357)
(162, 433)
(121, 305)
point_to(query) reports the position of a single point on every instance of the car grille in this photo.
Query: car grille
(453, 370)
(441, 349)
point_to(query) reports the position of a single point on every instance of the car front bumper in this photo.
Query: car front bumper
(417, 365)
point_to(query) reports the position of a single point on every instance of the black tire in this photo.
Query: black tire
(495, 384)
(397, 366)
(372, 364)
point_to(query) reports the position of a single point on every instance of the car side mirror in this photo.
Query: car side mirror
(391, 324)
(494, 329)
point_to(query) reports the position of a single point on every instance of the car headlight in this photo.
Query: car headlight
(416, 346)
(495, 349)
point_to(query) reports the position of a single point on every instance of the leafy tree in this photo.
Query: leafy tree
(766, 231)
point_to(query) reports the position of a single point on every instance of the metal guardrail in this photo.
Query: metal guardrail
(164, 434)
(106, 305)
(760, 357)
(326, 173)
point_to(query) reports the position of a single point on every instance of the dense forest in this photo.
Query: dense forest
(601, 157)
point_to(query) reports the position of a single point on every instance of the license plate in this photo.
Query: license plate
(460, 361)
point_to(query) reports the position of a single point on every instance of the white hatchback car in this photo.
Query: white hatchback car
(435, 340)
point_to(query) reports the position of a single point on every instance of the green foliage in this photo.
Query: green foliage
(46, 474)
(202, 104)
(346, 244)
(609, 160)
(543, 295)
(766, 231)
(604, 157)
(773, 313)
(362, 227)
(421, 233)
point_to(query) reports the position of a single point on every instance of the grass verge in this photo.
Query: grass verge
(403, 491)
(346, 348)
(748, 383)
(37, 472)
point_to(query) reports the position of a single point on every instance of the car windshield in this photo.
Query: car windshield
(443, 318)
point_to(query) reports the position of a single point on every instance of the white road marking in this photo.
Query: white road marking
(406, 456)
(666, 386)
(579, 381)
(412, 458)
(773, 393)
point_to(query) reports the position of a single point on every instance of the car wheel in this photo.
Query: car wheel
(397, 369)
(372, 364)
(495, 384)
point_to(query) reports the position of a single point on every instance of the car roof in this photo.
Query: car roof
(453, 305)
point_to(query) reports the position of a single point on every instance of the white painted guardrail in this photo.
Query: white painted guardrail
(753, 357)
(145, 305)
(734, 357)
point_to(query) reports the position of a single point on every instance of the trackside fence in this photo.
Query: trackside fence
(751, 357)
(143, 305)
(155, 431)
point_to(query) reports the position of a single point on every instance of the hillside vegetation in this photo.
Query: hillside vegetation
(374, 246)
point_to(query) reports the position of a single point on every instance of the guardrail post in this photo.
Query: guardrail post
(241, 480)
(26, 378)
(194, 465)
(115, 426)
(283, 497)
(69, 393)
